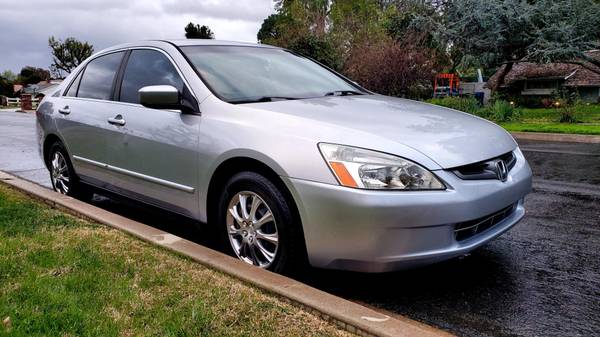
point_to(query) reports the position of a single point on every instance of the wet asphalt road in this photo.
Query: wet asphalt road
(540, 279)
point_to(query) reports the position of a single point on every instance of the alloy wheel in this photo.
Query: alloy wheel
(252, 229)
(60, 173)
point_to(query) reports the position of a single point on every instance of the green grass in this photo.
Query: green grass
(529, 120)
(547, 120)
(573, 128)
(61, 276)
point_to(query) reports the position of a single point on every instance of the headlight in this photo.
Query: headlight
(360, 168)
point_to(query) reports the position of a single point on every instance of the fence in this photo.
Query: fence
(16, 102)
(13, 101)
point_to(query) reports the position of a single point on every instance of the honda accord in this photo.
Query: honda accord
(285, 160)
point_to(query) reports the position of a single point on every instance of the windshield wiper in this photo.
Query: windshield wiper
(343, 93)
(263, 99)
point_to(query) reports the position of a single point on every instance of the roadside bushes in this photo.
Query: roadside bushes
(566, 103)
(497, 111)
(392, 68)
(501, 111)
(466, 104)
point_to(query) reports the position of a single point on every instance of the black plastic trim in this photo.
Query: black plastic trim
(485, 169)
(75, 79)
(119, 77)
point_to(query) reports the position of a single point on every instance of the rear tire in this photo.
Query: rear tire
(256, 224)
(62, 175)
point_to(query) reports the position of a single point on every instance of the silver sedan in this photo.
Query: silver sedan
(287, 161)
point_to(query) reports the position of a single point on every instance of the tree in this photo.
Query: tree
(291, 23)
(8, 75)
(270, 30)
(355, 23)
(413, 22)
(415, 18)
(7, 79)
(318, 49)
(316, 13)
(352, 37)
(496, 32)
(195, 31)
(299, 25)
(32, 75)
(575, 30)
(393, 68)
(68, 54)
(6, 87)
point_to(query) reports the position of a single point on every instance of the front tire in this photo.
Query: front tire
(256, 224)
(62, 175)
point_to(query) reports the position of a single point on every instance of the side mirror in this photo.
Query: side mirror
(160, 97)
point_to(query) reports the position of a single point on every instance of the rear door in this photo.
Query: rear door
(84, 111)
(156, 152)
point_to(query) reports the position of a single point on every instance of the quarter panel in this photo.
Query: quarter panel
(45, 123)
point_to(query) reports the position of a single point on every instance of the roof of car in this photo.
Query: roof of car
(206, 42)
(181, 43)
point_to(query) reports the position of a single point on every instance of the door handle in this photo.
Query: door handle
(64, 110)
(117, 120)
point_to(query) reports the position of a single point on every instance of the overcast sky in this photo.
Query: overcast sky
(26, 25)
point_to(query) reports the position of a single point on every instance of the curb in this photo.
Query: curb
(348, 315)
(557, 137)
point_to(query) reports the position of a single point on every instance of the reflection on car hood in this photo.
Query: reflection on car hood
(449, 137)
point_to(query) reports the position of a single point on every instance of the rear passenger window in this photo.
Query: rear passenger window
(144, 68)
(98, 77)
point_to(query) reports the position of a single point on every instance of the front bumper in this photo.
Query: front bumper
(379, 231)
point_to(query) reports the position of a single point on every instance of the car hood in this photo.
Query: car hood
(448, 137)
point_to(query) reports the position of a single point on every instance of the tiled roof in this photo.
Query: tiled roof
(574, 75)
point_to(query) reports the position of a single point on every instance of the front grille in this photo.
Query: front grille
(468, 229)
(485, 169)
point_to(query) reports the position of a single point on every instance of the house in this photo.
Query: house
(531, 83)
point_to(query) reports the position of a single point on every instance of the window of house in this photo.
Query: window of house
(541, 84)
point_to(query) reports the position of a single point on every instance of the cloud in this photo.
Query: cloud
(240, 10)
(26, 25)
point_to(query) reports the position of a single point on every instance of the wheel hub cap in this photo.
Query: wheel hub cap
(252, 229)
(59, 173)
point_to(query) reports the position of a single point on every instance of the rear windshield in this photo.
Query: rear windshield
(239, 74)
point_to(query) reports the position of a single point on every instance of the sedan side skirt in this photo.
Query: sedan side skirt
(152, 179)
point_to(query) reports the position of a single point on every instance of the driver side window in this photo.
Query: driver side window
(147, 67)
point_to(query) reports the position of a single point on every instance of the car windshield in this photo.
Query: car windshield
(240, 74)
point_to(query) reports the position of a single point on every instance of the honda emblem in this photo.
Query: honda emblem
(501, 171)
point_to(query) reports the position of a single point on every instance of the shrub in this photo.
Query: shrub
(547, 102)
(498, 111)
(567, 113)
(466, 104)
(501, 111)
(392, 68)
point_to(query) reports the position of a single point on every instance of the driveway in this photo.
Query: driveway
(18, 147)
(542, 278)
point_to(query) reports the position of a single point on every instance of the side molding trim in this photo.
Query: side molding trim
(155, 180)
